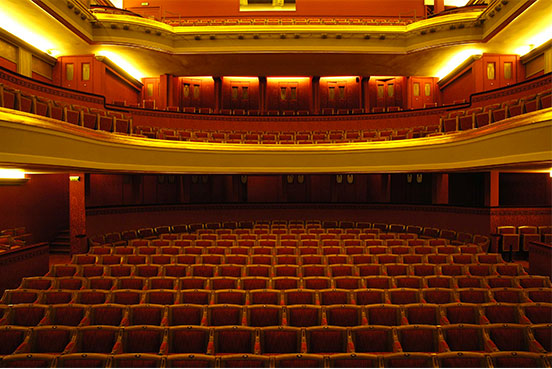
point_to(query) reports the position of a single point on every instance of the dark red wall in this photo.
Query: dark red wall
(206, 97)
(102, 80)
(116, 89)
(8, 64)
(460, 88)
(352, 92)
(525, 189)
(399, 94)
(41, 205)
(303, 100)
(38, 77)
(238, 102)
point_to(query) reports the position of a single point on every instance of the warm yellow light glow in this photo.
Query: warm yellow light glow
(448, 2)
(74, 178)
(117, 3)
(8, 173)
(289, 78)
(124, 63)
(456, 60)
(338, 78)
(534, 41)
(21, 27)
(233, 78)
(198, 77)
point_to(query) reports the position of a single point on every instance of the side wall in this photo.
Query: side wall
(41, 205)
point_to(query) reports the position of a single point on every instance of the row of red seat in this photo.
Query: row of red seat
(288, 270)
(263, 315)
(284, 282)
(276, 340)
(240, 257)
(288, 137)
(293, 230)
(271, 248)
(322, 295)
(397, 360)
(460, 120)
(92, 118)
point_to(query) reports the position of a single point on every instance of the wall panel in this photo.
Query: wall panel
(41, 205)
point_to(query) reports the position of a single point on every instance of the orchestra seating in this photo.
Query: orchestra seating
(281, 293)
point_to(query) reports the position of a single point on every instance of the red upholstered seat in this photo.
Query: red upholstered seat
(66, 314)
(47, 340)
(95, 339)
(299, 361)
(304, 315)
(137, 361)
(234, 340)
(280, 340)
(344, 315)
(147, 314)
(224, 314)
(467, 337)
(512, 337)
(374, 339)
(142, 339)
(327, 339)
(108, 314)
(264, 315)
(420, 338)
(11, 337)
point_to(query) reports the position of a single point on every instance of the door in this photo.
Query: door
(422, 92)
(287, 96)
(77, 73)
(191, 93)
(240, 93)
(385, 93)
(151, 89)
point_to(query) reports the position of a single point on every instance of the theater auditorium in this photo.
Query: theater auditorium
(275, 183)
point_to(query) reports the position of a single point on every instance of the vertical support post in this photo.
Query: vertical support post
(492, 189)
(218, 94)
(77, 214)
(262, 95)
(315, 95)
(440, 190)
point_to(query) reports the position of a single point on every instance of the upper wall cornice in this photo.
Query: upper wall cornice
(474, 25)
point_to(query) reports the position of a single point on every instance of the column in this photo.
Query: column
(315, 95)
(440, 191)
(262, 95)
(218, 94)
(365, 98)
(25, 63)
(77, 214)
(492, 188)
(438, 6)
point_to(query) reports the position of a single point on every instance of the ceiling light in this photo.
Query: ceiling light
(10, 176)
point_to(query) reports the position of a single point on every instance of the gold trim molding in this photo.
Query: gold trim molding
(26, 140)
